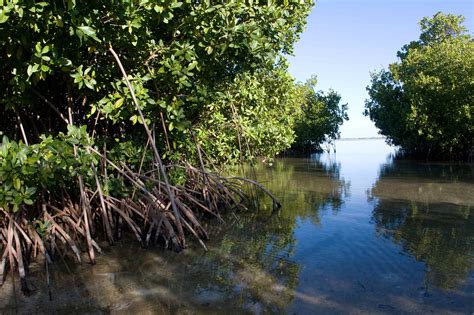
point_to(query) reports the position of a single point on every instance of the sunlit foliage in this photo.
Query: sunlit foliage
(424, 102)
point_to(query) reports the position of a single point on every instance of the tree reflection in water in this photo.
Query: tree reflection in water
(252, 258)
(249, 266)
(428, 210)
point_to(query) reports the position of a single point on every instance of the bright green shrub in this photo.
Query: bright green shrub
(181, 57)
(253, 118)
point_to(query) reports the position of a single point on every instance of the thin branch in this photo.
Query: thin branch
(22, 129)
(153, 145)
(50, 105)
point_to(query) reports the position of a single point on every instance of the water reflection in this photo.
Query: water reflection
(254, 257)
(428, 210)
(357, 233)
(304, 186)
(250, 265)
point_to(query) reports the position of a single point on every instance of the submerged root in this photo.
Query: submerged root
(68, 226)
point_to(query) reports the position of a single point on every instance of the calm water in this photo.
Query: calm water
(357, 233)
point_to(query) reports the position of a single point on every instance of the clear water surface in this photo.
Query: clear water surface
(357, 233)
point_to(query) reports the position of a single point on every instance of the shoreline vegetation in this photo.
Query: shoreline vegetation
(156, 211)
(120, 117)
(424, 103)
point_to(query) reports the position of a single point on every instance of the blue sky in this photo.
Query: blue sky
(347, 39)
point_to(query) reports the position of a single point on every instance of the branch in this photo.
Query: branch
(22, 129)
(50, 105)
(153, 145)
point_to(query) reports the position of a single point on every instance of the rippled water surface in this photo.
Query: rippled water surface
(357, 233)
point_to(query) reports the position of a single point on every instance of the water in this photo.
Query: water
(357, 233)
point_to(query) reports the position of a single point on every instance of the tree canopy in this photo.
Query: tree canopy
(113, 112)
(321, 116)
(180, 56)
(192, 65)
(424, 102)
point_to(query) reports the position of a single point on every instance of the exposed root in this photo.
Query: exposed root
(156, 211)
(69, 226)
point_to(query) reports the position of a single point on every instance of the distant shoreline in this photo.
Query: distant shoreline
(363, 138)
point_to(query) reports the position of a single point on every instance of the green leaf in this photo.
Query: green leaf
(3, 17)
(29, 71)
(30, 191)
(118, 103)
(93, 109)
(17, 183)
(38, 47)
(89, 31)
(71, 4)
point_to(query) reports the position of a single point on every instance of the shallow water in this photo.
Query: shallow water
(357, 233)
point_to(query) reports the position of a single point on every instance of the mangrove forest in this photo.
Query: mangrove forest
(161, 156)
